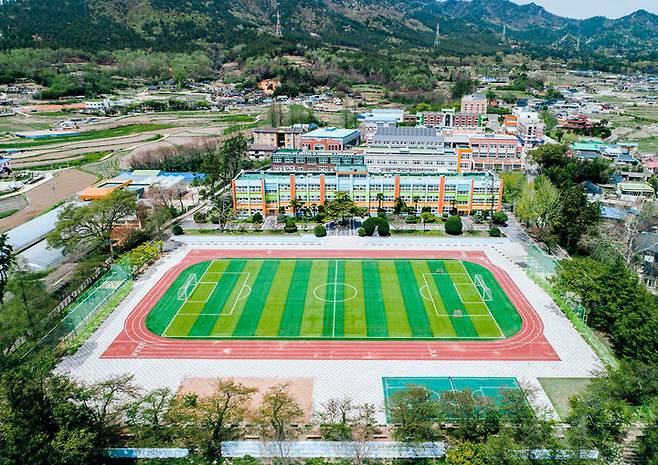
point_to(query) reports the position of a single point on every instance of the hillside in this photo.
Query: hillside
(172, 25)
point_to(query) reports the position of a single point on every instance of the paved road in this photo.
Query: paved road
(515, 231)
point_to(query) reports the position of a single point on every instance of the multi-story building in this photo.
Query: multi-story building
(496, 152)
(530, 128)
(330, 139)
(407, 137)
(269, 193)
(448, 118)
(268, 139)
(475, 104)
(288, 160)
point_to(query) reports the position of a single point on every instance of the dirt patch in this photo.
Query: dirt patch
(62, 186)
(301, 389)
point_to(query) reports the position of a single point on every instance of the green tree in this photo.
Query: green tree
(475, 418)
(89, 227)
(453, 225)
(399, 206)
(222, 164)
(320, 231)
(575, 217)
(380, 199)
(414, 412)
(341, 207)
(500, 217)
(464, 453)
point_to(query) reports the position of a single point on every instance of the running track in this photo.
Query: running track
(135, 341)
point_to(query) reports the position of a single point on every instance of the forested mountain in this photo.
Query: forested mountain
(175, 25)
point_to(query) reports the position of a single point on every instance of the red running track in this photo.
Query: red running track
(135, 341)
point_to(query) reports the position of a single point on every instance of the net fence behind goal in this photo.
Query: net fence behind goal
(483, 289)
(186, 289)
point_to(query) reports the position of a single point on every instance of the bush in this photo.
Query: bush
(290, 226)
(495, 232)
(369, 225)
(383, 228)
(426, 210)
(257, 218)
(454, 226)
(214, 218)
(411, 219)
(500, 218)
(282, 218)
(320, 231)
(200, 217)
(177, 230)
(361, 232)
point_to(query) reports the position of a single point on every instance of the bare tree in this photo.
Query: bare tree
(215, 419)
(275, 420)
(619, 239)
(223, 209)
(147, 414)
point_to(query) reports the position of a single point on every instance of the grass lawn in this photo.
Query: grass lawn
(90, 135)
(649, 144)
(560, 390)
(342, 299)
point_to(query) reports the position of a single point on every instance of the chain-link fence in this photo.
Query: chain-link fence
(540, 262)
(85, 306)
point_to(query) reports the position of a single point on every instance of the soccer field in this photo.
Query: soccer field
(335, 298)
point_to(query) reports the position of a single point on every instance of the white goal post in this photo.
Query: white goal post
(186, 289)
(482, 288)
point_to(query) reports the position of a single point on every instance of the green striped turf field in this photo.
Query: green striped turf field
(326, 298)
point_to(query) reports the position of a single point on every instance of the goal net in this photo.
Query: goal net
(482, 288)
(186, 289)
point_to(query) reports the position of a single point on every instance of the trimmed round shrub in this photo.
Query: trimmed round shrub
(290, 226)
(383, 228)
(177, 230)
(257, 218)
(369, 225)
(495, 232)
(200, 217)
(411, 219)
(500, 218)
(320, 231)
(361, 232)
(214, 218)
(454, 226)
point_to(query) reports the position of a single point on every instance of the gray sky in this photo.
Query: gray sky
(588, 8)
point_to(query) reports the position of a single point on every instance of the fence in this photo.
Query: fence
(540, 262)
(85, 306)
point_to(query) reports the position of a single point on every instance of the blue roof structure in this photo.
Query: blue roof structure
(331, 133)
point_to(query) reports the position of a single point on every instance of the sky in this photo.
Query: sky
(588, 8)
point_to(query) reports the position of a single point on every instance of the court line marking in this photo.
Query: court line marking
(431, 299)
(164, 333)
(483, 301)
(235, 301)
(333, 327)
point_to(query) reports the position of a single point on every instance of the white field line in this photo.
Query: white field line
(427, 286)
(164, 333)
(485, 304)
(333, 328)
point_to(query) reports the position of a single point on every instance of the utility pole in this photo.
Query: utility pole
(277, 31)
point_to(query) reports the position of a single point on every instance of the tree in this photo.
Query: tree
(222, 164)
(210, 421)
(453, 226)
(147, 416)
(341, 207)
(380, 199)
(399, 205)
(275, 417)
(464, 453)
(575, 217)
(415, 199)
(348, 119)
(222, 210)
(462, 87)
(6, 262)
(500, 217)
(647, 447)
(414, 410)
(475, 418)
(177, 230)
(90, 226)
(257, 218)
(290, 226)
(320, 231)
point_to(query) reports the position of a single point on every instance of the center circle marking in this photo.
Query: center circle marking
(347, 288)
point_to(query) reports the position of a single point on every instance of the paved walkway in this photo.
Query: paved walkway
(361, 380)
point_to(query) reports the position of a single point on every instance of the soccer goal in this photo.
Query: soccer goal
(186, 289)
(482, 288)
